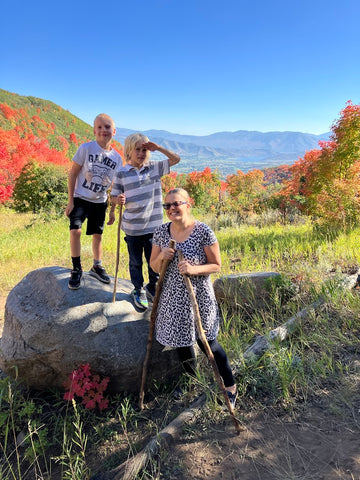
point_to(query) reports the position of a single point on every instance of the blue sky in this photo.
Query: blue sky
(190, 66)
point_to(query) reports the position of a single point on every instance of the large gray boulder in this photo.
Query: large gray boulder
(50, 330)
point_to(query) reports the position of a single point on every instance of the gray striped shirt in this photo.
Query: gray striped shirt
(142, 188)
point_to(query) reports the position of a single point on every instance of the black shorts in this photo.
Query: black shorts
(94, 212)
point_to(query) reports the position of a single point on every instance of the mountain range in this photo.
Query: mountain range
(227, 152)
(231, 151)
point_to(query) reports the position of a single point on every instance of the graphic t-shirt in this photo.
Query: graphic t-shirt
(97, 172)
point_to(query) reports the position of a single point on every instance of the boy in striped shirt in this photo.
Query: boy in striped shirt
(138, 186)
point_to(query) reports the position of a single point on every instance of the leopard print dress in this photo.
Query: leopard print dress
(175, 325)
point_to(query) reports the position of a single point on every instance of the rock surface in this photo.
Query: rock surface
(50, 330)
(244, 291)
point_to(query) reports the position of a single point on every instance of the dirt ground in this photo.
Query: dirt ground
(317, 445)
(318, 440)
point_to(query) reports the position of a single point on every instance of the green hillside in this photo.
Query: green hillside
(33, 130)
(28, 107)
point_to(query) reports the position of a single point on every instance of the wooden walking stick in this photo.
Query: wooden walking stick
(117, 252)
(159, 285)
(202, 336)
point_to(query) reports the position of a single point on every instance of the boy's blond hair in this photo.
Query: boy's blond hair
(105, 116)
(130, 144)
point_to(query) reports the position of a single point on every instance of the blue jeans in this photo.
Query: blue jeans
(137, 245)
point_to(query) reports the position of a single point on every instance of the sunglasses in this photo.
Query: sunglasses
(167, 206)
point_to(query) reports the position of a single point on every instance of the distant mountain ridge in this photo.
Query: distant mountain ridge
(231, 151)
(225, 151)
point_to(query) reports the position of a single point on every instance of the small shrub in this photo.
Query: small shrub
(281, 289)
(40, 188)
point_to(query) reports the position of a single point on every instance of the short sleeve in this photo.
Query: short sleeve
(209, 237)
(156, 237)
(79, 156)
(161, 235)
(117, 186)
(164, 167)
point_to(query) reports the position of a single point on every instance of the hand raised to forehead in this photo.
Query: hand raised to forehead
(150, 146)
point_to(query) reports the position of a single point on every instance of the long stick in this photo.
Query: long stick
(152, 325)
(202, 336)
(117, 252)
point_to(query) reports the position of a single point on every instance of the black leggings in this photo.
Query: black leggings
(187, 357)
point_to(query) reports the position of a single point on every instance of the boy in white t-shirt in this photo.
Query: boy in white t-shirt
(91, 175)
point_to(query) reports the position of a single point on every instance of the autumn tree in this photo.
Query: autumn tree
(325, 182)
(172, 180)
(276, 175)
(204, 188)
(245, 189)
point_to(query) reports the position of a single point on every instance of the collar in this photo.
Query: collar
(146, 166)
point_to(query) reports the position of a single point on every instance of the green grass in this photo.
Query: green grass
(317, 356)
(27, 243)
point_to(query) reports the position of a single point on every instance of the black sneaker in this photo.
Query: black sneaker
(232, 398)
(75, 279)
(150, 292)
(99, 272)
(140, 299)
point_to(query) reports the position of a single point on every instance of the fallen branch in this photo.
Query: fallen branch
(129, 469)
(263, 342)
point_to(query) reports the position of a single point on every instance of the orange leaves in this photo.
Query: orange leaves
(118, 147)
(7, 111)
(276, 175)
(203, 187)
(16, 151)
(325, 182)
(73, 138)
(201, 178)
(170, 181)
(41, 134)
(245, 184)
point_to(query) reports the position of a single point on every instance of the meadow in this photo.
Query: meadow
(66, 441)
(28, 242)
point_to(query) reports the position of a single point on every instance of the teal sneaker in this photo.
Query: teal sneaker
(140, 299)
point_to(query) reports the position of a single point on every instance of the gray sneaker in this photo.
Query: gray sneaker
(139, 298)
(99, 272)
